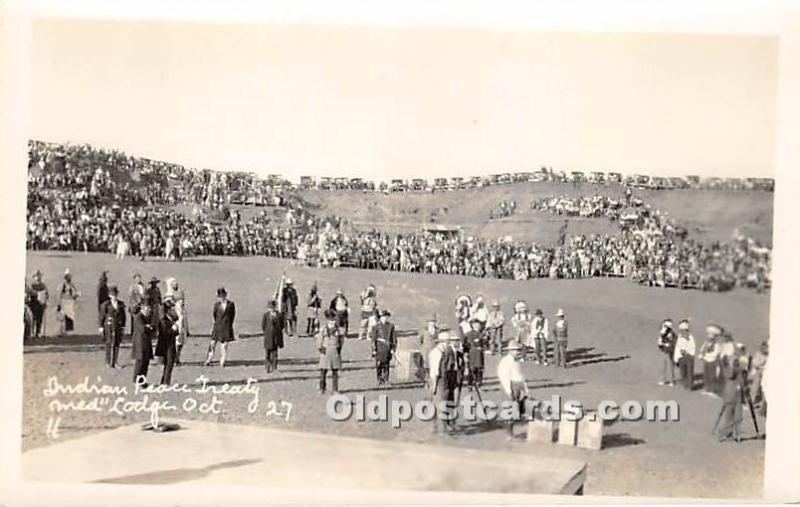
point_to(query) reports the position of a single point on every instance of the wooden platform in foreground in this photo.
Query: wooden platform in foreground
(226, 454)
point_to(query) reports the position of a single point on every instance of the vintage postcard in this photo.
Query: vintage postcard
(349, 258)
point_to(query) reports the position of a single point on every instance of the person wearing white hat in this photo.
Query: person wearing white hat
(512, 380)
(560, 333)
(710, 354)
(444, 372)
(683, 356)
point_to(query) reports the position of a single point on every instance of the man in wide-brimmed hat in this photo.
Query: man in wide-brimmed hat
(142, 341)
(111, 324)
(329, 344)
(289, 307)
(666, 344)
(445, 366)
(224, 314)
(153, 293)
(540, 335)
(166, 346)
(474, 345)
(38, 303)
(384, 345)
(272, 326)
(313, 307)
(512, 380)
(560, 333)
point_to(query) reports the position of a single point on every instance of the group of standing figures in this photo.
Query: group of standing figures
(728, 372)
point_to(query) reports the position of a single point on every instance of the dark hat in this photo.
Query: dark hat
(154, 280)
(538, 312)
(386, 313)
(221, 292)
(113, 290)
(272, 303)
(37, 273)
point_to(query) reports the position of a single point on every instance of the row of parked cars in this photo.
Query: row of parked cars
(544, 175)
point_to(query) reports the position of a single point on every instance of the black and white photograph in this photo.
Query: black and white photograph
(344, 257)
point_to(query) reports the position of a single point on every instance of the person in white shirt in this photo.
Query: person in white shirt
(512, 380)
(684, 353)
(444, 367)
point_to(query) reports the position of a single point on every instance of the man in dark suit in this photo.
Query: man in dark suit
(153, 293)
(474, 345)
(102, 290)
(384, 344)
(224, 313)
(112, 325)
(272, 325)
(142, 349)
(167, 331)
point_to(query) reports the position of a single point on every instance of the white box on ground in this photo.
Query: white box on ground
(590, 434)
(567, 432)
(541, 431)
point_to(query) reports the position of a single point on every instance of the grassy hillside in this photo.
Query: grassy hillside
(710, 215)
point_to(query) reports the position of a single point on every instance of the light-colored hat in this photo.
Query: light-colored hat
(66, 272)
(560, 312)
(520, 306)
(288, 281)
(713, 330)
(495, 304)
(339, 291)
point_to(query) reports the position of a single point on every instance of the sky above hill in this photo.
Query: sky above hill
(403, 102)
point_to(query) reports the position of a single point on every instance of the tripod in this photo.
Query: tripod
(746, 398)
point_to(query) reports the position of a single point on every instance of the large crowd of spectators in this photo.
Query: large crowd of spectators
(79, 200)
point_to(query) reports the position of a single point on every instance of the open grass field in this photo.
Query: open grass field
(709, 215)
(613, 330)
